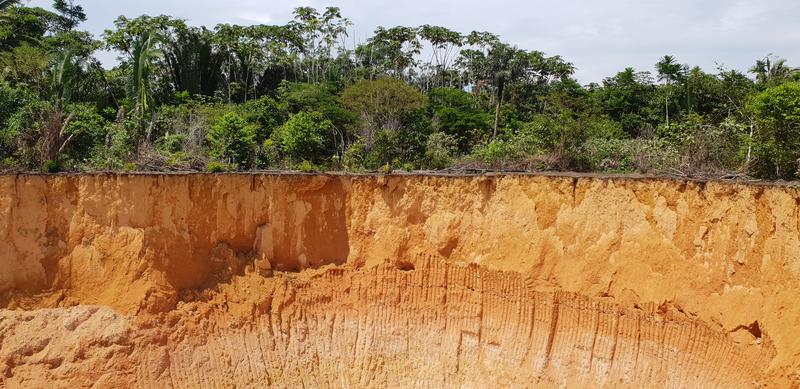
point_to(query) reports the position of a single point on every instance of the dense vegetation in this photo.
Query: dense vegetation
(297, 96)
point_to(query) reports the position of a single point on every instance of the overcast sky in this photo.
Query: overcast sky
(599, 37)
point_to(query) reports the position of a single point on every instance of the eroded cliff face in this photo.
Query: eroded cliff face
(342, 281)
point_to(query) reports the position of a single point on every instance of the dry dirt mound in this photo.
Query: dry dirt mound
(362, 281)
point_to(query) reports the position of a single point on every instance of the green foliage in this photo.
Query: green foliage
(776, 145)
(267, 113)
(117, 149)
(270, 154)
(630, 99)
(631, 155)
(382, 104)
(172, 143)
(12, 100)
(86, 129)
(298, 96)
(305, 166)
(458, 114)
(497, 153)
(219, 167)
(385, 150)
(355, 157)
(304, 136)
(51, 167)
(232, 140)
(439, 150)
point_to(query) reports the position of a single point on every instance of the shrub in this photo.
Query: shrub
(302, 97)
(269, 155)
(305, 166)
(266, 113)
(385, 149)
(172, 143)
(51, 167)
(218, 167)
(87, 129)
(232, 140)
(776, 145)
(355, 156)
(117, 149)
(439, 150)
(12, 100)
(496, 153)
(303, 136)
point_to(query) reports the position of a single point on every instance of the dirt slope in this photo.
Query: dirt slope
(397, 281)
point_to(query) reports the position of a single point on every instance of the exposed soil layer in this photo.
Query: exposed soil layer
(397, 281)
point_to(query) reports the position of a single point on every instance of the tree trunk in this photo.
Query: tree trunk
(749, 146)
(497, 109)
(666, 107)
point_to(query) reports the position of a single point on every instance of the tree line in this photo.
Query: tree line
(303, 95)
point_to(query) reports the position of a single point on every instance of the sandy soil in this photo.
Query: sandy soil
(396, 281)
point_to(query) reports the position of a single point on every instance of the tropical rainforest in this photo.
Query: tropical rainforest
(305, 96)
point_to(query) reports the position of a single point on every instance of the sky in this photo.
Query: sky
(599, 37)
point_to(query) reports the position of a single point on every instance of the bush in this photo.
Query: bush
(631, 155)
(51, 167)
(302, 97)
(87, 129)
(172, 143)
(439, 150)
(117, 149)
(269, 155)
(219, 167)
(303, 137)
(776, 145)
(232, 140)
(12, 100)
(355, 156)
(266, 113)
(385, 150)
(305, 166)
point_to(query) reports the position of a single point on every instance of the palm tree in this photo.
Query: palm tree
(773, 70)
(63, 73)
(506, 65)
(4, 4)
(668, 71)
(144, 53)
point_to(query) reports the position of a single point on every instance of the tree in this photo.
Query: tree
(193, 60)
(460, 116)
(777, 141)
(319, 34)
(232, 140)
(668, 71)
(71, 14)
(506, 64)
(381, 104)
(8, 3)
(443, 43)
(772, 71)
(390, 51)
(144, 52)
(627, 98)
